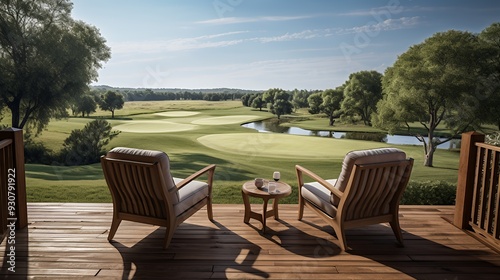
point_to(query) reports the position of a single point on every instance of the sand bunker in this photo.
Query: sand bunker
(225, 120)
(177, 114)
(153, 127)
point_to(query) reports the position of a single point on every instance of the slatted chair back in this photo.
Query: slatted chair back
(374, 189)
(137, 188)
(367, 191)
(144, 191)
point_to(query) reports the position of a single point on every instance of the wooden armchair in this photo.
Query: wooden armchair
(367, 191)
(144, 191)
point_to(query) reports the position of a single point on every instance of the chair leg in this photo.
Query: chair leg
(397, 229)
(340, 232)
(169, 233)
(210, 212)
(301, 208)
(114, 226)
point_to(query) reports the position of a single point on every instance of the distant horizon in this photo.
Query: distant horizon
(260, 44)
(167, 88)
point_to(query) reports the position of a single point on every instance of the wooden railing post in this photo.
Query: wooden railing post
(466, 174)
(20, 175)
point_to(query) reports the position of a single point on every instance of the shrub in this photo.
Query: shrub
(367, 136)
(493, 139)
(85, 146)
(429, 193)
(35, 152)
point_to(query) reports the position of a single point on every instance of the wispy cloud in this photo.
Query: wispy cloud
(235, 20)
(388, 10)
(235, 38)
(388, 24)
(304, 35)
(179, 44)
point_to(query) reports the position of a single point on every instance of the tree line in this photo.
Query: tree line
(112, 100)
(150, 95)
(352, 102)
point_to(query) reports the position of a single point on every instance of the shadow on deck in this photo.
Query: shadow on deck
(69, 240)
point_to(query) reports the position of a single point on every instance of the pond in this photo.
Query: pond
(273, 126)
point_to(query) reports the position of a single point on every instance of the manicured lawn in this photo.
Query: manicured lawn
(195, 134)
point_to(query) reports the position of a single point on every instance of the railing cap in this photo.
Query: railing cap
(472, 133)
(12, 129)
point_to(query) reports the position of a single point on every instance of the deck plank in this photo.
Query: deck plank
(66, 240)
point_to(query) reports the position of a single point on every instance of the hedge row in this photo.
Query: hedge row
(429, 193)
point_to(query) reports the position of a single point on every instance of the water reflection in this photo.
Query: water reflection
(273, 125)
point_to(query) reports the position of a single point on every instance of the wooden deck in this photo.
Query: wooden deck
(69, 240)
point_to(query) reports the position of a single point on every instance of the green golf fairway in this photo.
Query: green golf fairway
(237, 119)
(177, 114)
(284, 146)
(153, 127)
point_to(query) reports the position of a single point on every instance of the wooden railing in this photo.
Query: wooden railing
(477, 207)
(13, 207)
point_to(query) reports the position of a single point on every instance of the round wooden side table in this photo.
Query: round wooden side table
(249, 189)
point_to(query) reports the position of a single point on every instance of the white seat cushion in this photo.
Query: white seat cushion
(189, 195)
(318, 195)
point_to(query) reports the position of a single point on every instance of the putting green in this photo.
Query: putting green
(154, 127)
(225, 120)
(177, 113)
(284, 145)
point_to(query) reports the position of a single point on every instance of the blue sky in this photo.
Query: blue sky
(259, 44)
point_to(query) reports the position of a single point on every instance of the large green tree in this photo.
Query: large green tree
(111, 101)
(315, 100)
(268, 95)
(332, 100)
(489, 91)
(327, 102)
(434, 82)
(86, 105)
(46, 58)
(257, 102)
(279, 99)
(362, 92)
(299, 98)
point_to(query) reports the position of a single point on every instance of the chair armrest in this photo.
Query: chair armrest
(302, 170)
(210, 169)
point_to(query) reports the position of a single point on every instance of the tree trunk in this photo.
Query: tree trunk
(112, 114)
(332, 121)
(429, 150)
(15, 117)
(429, 157)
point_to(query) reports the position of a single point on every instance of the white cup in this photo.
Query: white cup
(271, 187)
